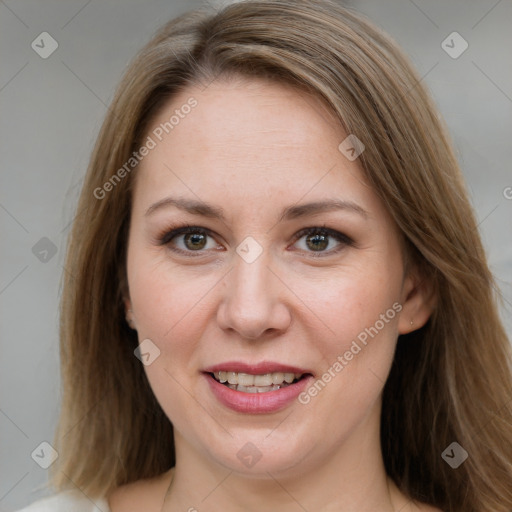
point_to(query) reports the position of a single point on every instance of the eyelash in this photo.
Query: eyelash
(169, 235)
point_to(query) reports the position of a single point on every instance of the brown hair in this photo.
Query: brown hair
(450, 381)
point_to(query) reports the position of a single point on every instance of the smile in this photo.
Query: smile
(263, 383)
(261, 388)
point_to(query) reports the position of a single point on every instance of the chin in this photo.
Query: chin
(257, 452)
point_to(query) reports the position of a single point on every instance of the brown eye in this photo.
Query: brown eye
(317, 242)
(195, 241)
(322, 241)
(189, 239)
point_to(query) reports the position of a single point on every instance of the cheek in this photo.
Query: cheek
(357, 311)
(164, 297)
(352, 300)
(169, 308)
(166, 304)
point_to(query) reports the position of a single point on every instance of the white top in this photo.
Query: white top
(68, 501)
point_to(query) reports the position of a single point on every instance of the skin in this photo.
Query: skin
(254, 148)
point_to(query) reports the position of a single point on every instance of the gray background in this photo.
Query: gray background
(52, 110)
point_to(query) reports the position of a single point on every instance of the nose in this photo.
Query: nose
(253, 304)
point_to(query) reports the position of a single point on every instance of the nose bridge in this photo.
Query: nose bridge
(250, 281)
(253, 304)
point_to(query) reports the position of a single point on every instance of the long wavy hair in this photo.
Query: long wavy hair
(450, 381)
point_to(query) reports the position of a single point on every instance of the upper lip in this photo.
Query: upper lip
(255, 368)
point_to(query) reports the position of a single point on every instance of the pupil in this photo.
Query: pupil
(195, 240)
(319, 241)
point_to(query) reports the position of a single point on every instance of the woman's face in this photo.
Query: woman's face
(290, 267)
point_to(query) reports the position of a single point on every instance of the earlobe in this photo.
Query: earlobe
(130, 320)
(418, 302)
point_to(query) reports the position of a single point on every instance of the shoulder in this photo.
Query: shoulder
(66, 501)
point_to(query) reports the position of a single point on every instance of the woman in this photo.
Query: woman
(278, 298)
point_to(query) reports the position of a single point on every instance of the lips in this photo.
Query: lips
(256, 388)
(255, 369)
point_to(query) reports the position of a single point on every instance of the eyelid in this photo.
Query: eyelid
(172, 232)
(344, 240)
(338, 235)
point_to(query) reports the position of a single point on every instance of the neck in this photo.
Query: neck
(351, 478)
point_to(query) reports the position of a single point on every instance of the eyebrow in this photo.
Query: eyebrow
(291, 212)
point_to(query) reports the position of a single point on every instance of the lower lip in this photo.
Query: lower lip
(257, 403)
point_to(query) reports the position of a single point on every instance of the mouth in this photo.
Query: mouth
(256, 383)
(260, 388)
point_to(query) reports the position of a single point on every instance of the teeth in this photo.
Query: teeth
(256, 389)
(263, 380)
(289, 377)
(277, 378)
(256, 383)
(245, 379)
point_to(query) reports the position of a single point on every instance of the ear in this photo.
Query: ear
(418, 302)
(129, 313)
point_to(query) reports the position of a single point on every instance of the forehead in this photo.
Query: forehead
(248, 138)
